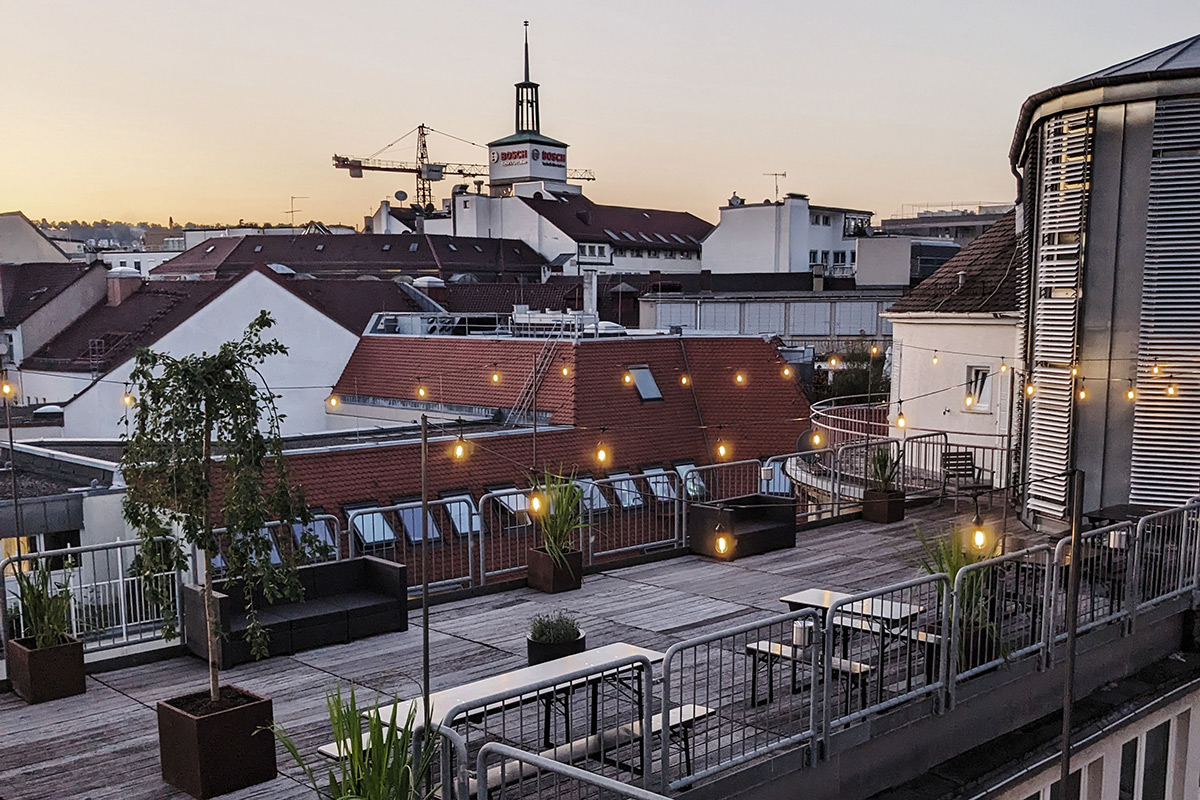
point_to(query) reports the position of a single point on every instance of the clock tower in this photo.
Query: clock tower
(527, 155)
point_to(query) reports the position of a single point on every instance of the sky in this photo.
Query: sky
(221, 111)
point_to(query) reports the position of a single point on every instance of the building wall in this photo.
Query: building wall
(1101, 762)
(883, 261)
(318, 350)
(810, 316)
(779, 237)
(22, 243)
(987, 340)
(143, 261)
(68, 306)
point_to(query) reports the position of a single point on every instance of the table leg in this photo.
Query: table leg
(548, 703)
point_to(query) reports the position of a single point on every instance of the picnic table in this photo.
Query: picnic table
(886, 619)
(1120, 512)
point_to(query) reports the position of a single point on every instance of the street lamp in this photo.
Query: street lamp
(9, 393)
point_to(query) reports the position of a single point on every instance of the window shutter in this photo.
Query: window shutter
(1166, 430)
(1058, 264)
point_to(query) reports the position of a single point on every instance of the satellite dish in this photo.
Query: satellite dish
(402, 196)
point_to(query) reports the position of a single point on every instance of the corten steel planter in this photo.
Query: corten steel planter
(220, 752)
(882, 507)
(541, 652)
(39, 674)
(547, 576)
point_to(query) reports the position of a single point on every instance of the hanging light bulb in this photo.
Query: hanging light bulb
(1074, 370)
(602, 454)
(934, 360)
(460, 448)
(978, 534)
(495, 377)
(739, 379)
(1131, 392)
(722, 449)
(128, 400)
(833, 361)
(816, 439)
(900, 422)
(422, 392)
(969, 400)
(1030, 389)
(566, 371)
(684, 380)
(787, 372)
(1172, 387)
(628, 378)
(1155, 369)
(874, 349)
(1082, 394)
(1003, 367)
(535, 503)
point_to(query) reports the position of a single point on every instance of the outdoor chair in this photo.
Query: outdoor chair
(961, 478)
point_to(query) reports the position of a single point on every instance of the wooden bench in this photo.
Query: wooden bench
(766, 652)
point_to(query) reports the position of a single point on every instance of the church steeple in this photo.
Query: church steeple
(528, 116)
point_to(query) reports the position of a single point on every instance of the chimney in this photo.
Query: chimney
(818, 271)
(122, 282)
(962, 278)
(589, 291)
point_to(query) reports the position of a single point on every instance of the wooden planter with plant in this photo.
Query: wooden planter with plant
(555, 505)
(46, 663)
(977, 639)
(184, 411)
(882, 501)
(553, 636)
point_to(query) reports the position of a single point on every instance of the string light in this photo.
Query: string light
(128, 399)
(787, 372)
(535, 503)
(566, 371)
(628, 378)
(684, 380)
(333, 400)
(421, 392)
(969, 400)
(460, 448)
(1030, 389)
(722, 449)
(1131, 392)
(1082, 389)
(1074, 370)
(1154, 370)
(495, 375)
(978, 535)
(833, 361)
(602, 454)
(900, 423)
(816, 439)
(739, 379)
(934, 360)
(6, 388)
(1172, 388)
(1003, 367)
(874, 349)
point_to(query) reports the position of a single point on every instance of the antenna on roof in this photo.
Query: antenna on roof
(777, 176)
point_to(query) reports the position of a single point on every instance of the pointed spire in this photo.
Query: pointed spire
(527, 51)
(528, 117)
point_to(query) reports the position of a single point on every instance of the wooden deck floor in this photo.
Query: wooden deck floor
(104, 744)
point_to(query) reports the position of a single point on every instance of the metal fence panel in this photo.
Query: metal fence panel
(885, 647)
(534, 777)
(631, 515)
(1000, 611)
(1105, 592)
(394, 533)
(1165, 554)
(744, 692)
(724, 480)
(807, 477)
(110, 602)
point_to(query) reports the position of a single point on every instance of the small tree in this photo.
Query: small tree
(185, 411)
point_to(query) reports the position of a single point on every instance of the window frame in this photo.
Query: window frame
(452, 499)
(591, 489)
(405, 508)
(983, 398)
(638, 371)
(656, 476)
(683, 477)
(354, 529)
(632, 491)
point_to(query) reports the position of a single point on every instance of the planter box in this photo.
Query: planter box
(546, 576)
(541, 652)
(46, 673)
(742, 526)
(216, 753)
(883, 507)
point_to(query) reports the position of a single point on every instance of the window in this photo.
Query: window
(464, 517)
(593, 498)
(320, 247)
(410, 518)
(686, 255)
(636, 253)
(59, 540)
(137, 265)
(275, 558)
(372, 527)
(660, 483)
(763, 317)
(1129, 757)
(210, 248)
(1154, 769)
(681, 314)
(654, 254)
(619, 252)
(825, 220)
(412, 248)
(647, 388)
(856, 318)
(825, 257)
(1146, 763)
(626, 491)
(453, 249)
(478, 249)
(779, 483)
(668, 253)
(318, 528)
(124, 263)
(839, 258)
(812, 257)
(979, 388)
(516, 503)
(466, 203)
(814, 219)
(853, 256)
(720, 316)
(809, 319)
(693, 485)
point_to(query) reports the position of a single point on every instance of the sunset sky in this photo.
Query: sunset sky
(218, 111)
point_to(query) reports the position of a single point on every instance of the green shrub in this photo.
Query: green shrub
(553, 628)
(45, 605)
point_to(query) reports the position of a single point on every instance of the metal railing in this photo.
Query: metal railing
(744, 692)
(808, 478)
(724, 480)
(110, 602)
(1106, 562)
(1165, 564)
(537, 777)
(632, 515)
(394, 532)
(851, 418)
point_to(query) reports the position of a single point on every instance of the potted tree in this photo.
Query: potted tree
(184, 410)
(553, 636)
(882, 502)
(46, 663)
(556, 566)
(977, 631)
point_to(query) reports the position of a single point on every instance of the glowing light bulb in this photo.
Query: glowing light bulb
(334, 401)
(1003, 366)
(833, 361)
(969, 400)
(421, 392)
(934, 360)
(1074, 371)
(684, 380)
(816, 440)
(566, 371)
(874, 349)
(722, 449)
(1172, 389)
(535, 503)
(460, 449)
(128, 399)
(1154, 370)
(495, 377)
(979, 539)
(628, 377)
(722, 544)
(601, 454)
(787, 372)
(739, 379)
(6, 388)
(1082, 393)
(900, 422)
(1030, 389)
(1131, 393)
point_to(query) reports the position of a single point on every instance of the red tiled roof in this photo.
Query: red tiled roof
(621, 226)
(357, 254)
(762, 416)
(991, 266)
(27, 287)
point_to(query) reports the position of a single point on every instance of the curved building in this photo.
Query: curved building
(1109, 219)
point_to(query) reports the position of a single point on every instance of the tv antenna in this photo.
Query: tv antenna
(776, 176)
(292, 209)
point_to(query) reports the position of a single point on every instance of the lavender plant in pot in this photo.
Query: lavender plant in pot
(553, 636)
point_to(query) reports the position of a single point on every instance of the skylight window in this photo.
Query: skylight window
(372, 528)
(463, 516)
(629, 236)
(516, 504)
(660, 483)
(612, 235)
(694, 239)
(592, 498)
(646, 386)
(478, 249)
(626, 491)
(675, 236)
(318, 528)
(410, 518)
(693, 484)
(647, 238)
(210, 248)
(387, 247)
(662, 238)
(258, 248)
(412, 248)
(275, 559)
(320, 247)
(452, 247)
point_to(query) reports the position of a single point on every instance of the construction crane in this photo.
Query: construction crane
(426, 171)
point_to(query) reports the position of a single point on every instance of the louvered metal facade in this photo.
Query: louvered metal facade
(1054, 294)
(1166, 432)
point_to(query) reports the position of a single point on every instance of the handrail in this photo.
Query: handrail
(624, 790)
